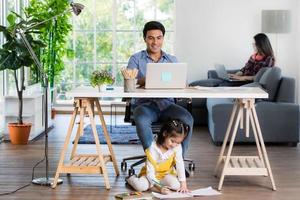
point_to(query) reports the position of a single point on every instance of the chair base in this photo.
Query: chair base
(142, 159)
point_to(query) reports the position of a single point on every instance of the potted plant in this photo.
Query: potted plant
(15, 56)
(101, 78)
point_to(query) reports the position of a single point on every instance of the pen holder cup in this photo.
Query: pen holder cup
(129, 85)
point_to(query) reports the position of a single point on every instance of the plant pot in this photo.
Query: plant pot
(19, 133)
(102, 88)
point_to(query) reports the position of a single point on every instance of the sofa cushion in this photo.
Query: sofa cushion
(253, 84)
(270, 81)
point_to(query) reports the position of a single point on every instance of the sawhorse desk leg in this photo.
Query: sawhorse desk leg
(86, 163)
(244, 165)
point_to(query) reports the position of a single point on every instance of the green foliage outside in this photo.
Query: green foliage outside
(55, 34)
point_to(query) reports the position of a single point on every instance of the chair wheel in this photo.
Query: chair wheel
(123, 166)
(131, 172)
(192, 166)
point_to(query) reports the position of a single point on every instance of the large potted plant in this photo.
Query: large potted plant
(15, 56)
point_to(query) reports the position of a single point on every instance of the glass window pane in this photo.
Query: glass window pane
(169, 43)
(104, 47)
(125, 15)
(119, 80)
(84, 46)
(165, 13)
(83, 72)
(125, 45)
(107, 66)
(103, 14)
(10, 6)
(1, 83)
(11, 90)
(140, 43)
(69, 56)
(144, 12)
(66, 83)
(85, 20)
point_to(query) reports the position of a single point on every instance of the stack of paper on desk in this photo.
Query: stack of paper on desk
(199, 192)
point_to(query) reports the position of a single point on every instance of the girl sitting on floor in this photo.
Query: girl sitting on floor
(163, 155)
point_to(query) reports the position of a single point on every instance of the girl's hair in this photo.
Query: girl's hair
(172, 128)
(263, 45)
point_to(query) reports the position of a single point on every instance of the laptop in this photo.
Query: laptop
(222, 73)
(166, 76)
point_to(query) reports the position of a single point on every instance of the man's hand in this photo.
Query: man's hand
(141, 82)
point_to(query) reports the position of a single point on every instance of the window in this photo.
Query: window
(7, 84)
(106, 33)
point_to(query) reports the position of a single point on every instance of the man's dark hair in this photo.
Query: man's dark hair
(153, 25)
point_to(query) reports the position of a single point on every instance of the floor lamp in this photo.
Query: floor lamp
(76, 8)
(277, 22)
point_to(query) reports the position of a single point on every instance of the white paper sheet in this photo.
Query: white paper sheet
(209, 191)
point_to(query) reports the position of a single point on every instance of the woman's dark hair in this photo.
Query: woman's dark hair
(172, 128)
(263, 45)
(153, 25)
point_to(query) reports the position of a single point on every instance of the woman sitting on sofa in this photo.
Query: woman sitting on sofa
(263, 57)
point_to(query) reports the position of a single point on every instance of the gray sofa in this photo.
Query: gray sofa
(278, 115)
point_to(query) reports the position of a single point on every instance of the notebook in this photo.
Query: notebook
(166, 76)
(222, 73)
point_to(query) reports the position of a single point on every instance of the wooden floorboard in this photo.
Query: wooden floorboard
(16, 164)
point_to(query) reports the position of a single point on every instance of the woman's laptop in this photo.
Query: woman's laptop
(166, 76)
(222, 73)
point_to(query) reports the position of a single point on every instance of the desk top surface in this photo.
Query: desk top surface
(192, 92)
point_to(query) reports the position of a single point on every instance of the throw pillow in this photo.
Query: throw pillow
(270, 81)
(259, 74)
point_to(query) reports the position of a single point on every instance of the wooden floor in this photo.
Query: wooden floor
(16, 164)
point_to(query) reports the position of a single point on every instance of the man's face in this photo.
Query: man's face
(154, 41)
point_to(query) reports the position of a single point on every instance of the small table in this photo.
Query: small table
(86, 163)
(87, 97)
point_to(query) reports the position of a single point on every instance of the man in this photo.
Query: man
(159, 109)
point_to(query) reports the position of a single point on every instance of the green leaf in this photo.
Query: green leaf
(11, 18)
(17, 15)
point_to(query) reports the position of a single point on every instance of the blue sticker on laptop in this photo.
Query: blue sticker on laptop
(166, 76)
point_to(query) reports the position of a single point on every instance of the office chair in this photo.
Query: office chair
(155, 129)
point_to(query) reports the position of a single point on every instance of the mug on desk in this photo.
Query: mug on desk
(129, 85)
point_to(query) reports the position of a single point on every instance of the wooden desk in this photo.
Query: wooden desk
(243, 115)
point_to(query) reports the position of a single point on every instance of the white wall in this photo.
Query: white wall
(298, 54)
(216, 31)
